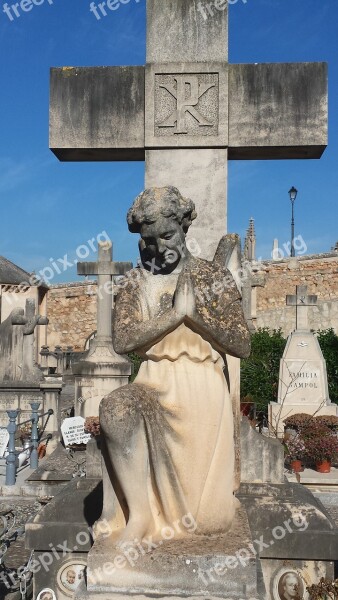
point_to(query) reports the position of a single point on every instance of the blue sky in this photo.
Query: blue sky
(49, 208)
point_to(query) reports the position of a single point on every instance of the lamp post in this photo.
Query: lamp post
(293, 195)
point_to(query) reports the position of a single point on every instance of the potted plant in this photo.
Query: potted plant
(321, 450)
(321, 445)
(295, 450)
(297, 422)
(330, 421)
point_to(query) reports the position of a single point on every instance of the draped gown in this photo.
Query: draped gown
(182, 401)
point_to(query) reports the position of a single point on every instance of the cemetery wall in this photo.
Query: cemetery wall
(318, 272)
(71, 309)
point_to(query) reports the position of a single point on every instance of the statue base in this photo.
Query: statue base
(198, 565)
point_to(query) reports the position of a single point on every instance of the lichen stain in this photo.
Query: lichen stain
(68, 71)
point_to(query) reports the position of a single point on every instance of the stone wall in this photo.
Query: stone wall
(318, 272)
(71, 309)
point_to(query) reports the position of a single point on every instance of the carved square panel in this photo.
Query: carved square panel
(186, 106)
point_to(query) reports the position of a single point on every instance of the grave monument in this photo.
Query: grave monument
(101, 370)
(185, 119)
(303, 386)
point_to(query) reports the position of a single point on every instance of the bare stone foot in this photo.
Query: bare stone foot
(135, 532)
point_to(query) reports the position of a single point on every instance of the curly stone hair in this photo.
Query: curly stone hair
(156, 202)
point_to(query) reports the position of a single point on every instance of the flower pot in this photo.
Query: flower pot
(324, 466)
(296, 466)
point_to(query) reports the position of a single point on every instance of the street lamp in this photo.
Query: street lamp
(293, 195)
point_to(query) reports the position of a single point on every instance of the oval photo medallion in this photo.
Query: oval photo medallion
(288, 585)
(70, 576)
(46, 594)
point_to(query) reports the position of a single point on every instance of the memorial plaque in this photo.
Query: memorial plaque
(303, 381)
(73, 431)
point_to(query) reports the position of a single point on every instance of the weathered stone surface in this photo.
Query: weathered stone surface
(198, 565)
(185, 168)
(310, 533)
(75, 509)
(277, 110)
(291, 124)
(17, 345)
(262, 457)
(177, 31)
(204, 120)
(58, 467)
(66, 520)
(92, 117)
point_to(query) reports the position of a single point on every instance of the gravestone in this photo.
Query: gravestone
(303, 386)
(101, 370)
(20, 376)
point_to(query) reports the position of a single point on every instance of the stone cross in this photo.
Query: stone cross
(188, 110)
(17, 344)
(301, 301)
(105, 269)
(29, 351)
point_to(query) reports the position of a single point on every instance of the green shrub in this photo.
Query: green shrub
(260, 372)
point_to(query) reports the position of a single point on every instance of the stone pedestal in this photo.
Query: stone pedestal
(197, 565)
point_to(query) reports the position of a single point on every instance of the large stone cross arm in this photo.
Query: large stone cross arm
(266, 111)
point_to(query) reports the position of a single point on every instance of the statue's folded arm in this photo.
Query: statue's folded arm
(131, 331)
